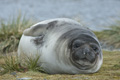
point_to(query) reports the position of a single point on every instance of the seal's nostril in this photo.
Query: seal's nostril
(86, 49)
(90, 56)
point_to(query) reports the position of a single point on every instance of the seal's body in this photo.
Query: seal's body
(64, 46)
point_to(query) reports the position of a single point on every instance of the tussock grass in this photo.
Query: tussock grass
(31, 62)
(111, 36)
(10, 33)
(13, 63)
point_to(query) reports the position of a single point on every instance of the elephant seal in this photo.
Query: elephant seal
(64, 46)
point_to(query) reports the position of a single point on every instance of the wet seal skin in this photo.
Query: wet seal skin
(64, 46)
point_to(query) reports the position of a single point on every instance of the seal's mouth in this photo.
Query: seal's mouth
(84, 63)
(84, 55)
(85, 60)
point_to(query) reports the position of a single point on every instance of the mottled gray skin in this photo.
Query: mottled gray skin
(64, 46)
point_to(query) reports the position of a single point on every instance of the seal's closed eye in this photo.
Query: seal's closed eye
(77, 44)
(94, 47)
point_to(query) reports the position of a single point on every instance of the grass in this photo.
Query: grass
(10, 33)
(110, 70)
(111, 36)
(13, 63)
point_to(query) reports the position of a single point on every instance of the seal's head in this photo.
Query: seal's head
(84, 51)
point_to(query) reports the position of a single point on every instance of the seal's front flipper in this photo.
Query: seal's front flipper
(39, 28)
(35, 30)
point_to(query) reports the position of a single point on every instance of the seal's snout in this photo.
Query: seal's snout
(89, 54)
(78, 55)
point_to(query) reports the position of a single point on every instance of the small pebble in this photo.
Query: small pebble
(25, 78)
(86, 78)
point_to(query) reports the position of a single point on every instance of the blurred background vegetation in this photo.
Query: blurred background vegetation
(10, 33)
(111, 36)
